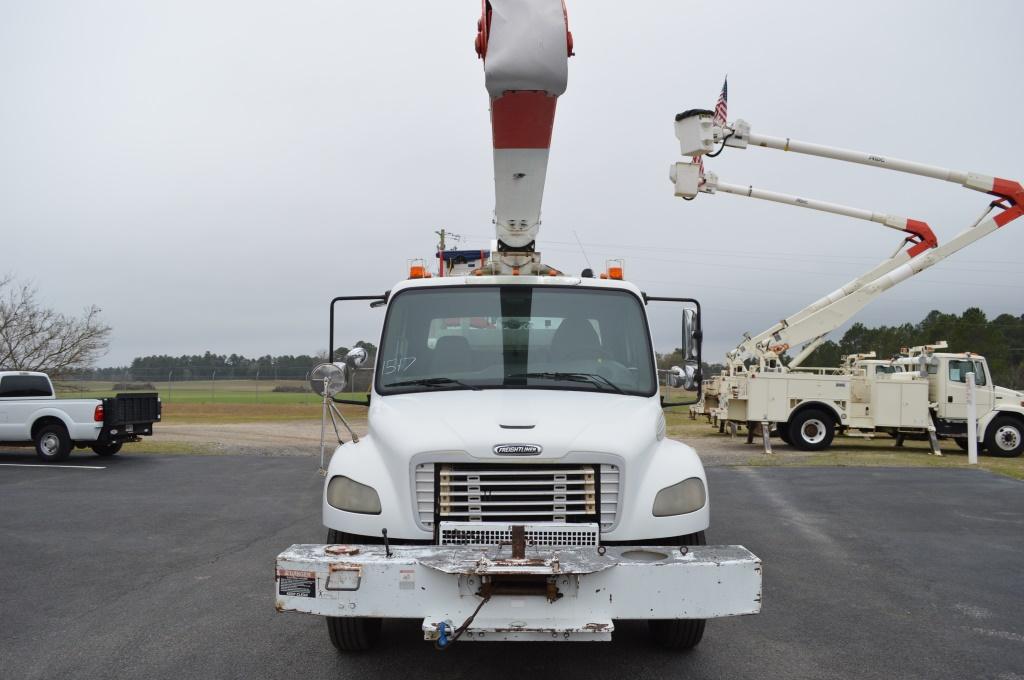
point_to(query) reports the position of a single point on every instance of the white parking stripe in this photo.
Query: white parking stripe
(47, 465)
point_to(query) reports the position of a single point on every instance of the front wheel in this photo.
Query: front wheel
(679, 634)
(352, 633)
(1005, 438)
(106, 449)
(812, 430)
(53, 443)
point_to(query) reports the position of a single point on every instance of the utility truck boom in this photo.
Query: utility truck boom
(839, 403)
(525, 47)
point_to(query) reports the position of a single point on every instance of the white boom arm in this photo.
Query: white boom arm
(697, 135)
(525, 45)
(921, 238)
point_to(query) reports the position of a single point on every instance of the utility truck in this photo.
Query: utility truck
(806, 407)
(1000, 411)
(516, 481)
(30, 413)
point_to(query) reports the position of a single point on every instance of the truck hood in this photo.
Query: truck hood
(1008, 396)
(474, 422)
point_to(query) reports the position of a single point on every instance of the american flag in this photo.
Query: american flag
(699, 160)
(722, 107)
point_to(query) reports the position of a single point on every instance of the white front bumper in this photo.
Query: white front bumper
(553, 594)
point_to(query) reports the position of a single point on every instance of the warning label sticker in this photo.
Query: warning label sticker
(296, 586)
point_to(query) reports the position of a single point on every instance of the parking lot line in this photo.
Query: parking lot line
(48, 465)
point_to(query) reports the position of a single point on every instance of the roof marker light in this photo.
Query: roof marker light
(417, 270)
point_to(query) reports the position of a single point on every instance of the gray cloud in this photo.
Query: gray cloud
(212, 173)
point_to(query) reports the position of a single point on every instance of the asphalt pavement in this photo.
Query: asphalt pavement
(162, 567)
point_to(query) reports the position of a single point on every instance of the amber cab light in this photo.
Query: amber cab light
(614, 268)
(417, 270)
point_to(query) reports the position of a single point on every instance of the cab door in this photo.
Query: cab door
(954, 404)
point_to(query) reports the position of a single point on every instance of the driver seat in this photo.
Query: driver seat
(575, 340)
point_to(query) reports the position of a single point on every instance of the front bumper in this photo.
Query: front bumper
(552, 594)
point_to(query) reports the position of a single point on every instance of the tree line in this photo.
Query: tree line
(220, 366)
(999, 340)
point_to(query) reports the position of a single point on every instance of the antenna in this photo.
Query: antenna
(589, 266)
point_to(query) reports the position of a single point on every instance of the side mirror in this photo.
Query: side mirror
(686, 376)
(327, 379)
(356, 357)
(692, 335)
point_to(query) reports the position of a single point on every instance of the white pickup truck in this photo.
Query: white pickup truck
(31, 413)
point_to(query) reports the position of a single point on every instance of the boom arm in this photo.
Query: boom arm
(697, 135)
(780, 337)
(525, 45)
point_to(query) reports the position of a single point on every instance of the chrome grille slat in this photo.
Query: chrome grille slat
(491, 492)
(424, 483)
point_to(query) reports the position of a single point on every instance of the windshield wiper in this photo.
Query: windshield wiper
(432, 382)
(592, 378)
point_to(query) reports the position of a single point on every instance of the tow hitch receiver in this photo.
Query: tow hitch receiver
(552, 593)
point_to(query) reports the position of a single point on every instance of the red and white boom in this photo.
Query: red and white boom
(525, 46)
(698, 134)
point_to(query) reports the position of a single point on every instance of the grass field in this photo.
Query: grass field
(845, 451)
(204, 403)
(223, 401)
(205, 391)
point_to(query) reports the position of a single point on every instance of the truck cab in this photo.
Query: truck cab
(517, 452)
(1000, 410)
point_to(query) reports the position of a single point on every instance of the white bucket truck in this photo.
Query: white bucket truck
(516, 481)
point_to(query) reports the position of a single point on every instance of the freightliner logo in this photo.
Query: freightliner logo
(517, 449)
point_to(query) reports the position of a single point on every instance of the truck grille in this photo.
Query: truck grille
(500, 533)
(519, 493)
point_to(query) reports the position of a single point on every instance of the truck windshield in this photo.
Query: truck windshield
(490, 337)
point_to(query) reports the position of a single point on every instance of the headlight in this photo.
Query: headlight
(345, 494)
(679, 499)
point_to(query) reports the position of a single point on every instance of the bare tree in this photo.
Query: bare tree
(33, 338)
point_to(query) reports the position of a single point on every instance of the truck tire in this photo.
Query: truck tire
(53, 442)
(352, 633)
(783, 432)
(1005, 438)
(107, 449)
(811, 430)
(679, 634)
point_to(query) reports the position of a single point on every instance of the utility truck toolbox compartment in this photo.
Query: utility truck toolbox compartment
(552, 593)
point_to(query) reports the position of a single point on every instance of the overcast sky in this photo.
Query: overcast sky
(212, 172)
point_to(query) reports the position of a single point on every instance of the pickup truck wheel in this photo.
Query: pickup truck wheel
(53, 443)
(812, 430)
(679, 634)
(1005, 438)
(352, 633)
(108, 449)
